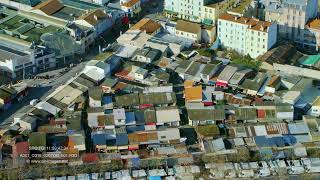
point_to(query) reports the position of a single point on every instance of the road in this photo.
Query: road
(39, 89)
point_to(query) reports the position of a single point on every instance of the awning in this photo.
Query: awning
(207, 21)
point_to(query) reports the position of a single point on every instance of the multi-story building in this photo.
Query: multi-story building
(188, 30)
(312, 35)
(19, 59)
(246, 35)
(130, 7)
(205, 11)
(291, 17)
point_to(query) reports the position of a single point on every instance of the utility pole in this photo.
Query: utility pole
(23, 71)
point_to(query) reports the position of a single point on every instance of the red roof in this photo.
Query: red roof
(22, 148)
(223, 84)
(124, 74)
(261, 113)
(143, 106)
(90, 158)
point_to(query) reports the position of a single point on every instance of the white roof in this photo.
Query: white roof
(157, 89)
(302, 138)
(291, 96)
(48, 107)
(157, 172)
(238, 141)
(218, 144)
(300, 151)
(139, 173)
(20, 86)
(94, 75)
(260, 130)
(227, 73)
(67, 95)
(168, 115)
(126, 51)
(157, 45)
(119, 114)
(298, 128)
(169, 133)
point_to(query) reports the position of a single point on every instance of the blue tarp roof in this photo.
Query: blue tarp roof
(101, 139)
(108, 111)
(130, 117)
(122, 139)
(154, 177)
(139, 117)
(106, 100)
(263, 141)
(266, 154)
(132, 129)
(135, 162)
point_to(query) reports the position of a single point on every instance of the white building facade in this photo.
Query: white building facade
(192, 10)
(245, 35)
(292, 16)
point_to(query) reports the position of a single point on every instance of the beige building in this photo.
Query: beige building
(188, 30)
(247, 36)
(312, 35)
(291, 17)
(204, 11)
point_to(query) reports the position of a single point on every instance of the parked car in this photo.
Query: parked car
(33, 102)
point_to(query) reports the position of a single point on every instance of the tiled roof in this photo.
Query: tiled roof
(253, 24)
(49, 7)
(193, 93)
(189, 27)
(314, 24)
(277, 128)
(90, 158)
(147, 25)
(130, 3)
(22, 148)
(142, 137)
(94, 17)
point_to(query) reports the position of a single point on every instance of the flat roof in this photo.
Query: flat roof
(241, 6)
(68, 13)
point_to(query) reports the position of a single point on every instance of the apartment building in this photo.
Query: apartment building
(246, 35)
(291, 17)
(130, 7)
(193, 10)
(312, 35)
(19, 60)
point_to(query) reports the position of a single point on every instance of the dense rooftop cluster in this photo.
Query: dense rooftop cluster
(209, 92)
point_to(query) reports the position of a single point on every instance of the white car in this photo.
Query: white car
(33, 102)
(264, 172)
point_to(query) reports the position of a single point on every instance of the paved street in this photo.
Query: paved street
(41, 90)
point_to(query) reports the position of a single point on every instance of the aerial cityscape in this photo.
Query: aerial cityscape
(159, 89)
